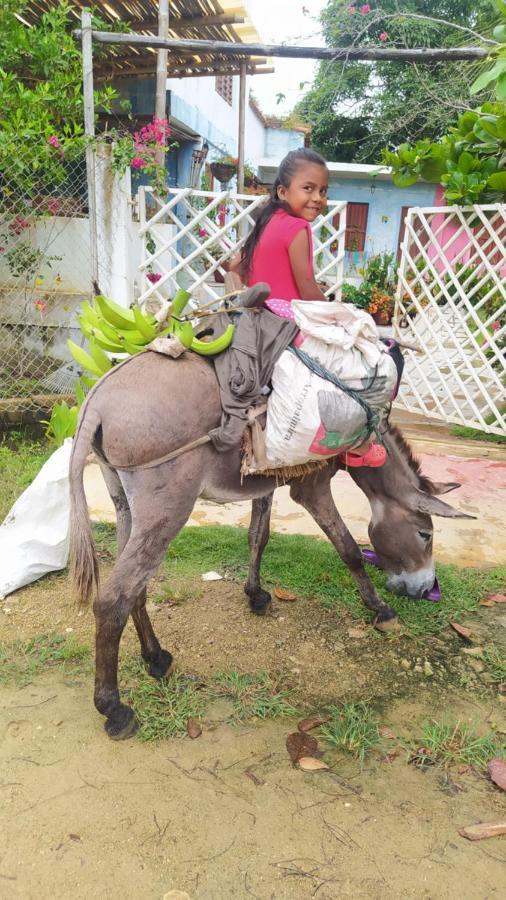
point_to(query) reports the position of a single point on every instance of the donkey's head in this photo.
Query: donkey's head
(403, 502)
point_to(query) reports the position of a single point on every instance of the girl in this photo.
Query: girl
(279, 251)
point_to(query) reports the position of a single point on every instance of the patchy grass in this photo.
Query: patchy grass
(474, 434)
(253, 696)
(22, 661)
(311, 568)
(162, 707)
(353, 728)
(496, 663)
(447, 744)
(21, 459)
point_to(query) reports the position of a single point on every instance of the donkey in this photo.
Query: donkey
(148, 407)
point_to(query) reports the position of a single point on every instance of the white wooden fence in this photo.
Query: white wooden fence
(451, 302)
(206, 229)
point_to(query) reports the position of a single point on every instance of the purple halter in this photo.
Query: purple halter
(434, 595)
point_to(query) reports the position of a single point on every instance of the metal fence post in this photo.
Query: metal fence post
(89, 130)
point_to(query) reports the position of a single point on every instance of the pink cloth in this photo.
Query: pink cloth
(271, 262)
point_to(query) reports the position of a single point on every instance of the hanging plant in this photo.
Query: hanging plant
(224, 168)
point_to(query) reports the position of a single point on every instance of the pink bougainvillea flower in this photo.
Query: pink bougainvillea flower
(203, 232)
(18, 224)
(495, 326)
(53, 206)
(365, 9)
(54, 142)
(384, 36)
(138, 162)
(153, 277)
(40, 306)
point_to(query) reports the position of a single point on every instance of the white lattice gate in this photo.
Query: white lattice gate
(187, 239)
(451, 302)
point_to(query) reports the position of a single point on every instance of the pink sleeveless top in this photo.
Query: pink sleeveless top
(271, 262)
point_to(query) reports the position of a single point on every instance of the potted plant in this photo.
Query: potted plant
(381, 307)
(250, 179)
(224, 168)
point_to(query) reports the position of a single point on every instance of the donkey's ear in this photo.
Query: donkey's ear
(440, 487)
(432, 506)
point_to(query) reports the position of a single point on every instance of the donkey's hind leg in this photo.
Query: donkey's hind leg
(152, 530)
(159, 661)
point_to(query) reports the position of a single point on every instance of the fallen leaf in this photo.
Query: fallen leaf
(391, 755)
(193, 728)
(486, 601)
(461, 631)
(496, 598)
(300, 744)
(497, 771)
(310, 764)
(483, 830)
(75, 837)
(356, 633)
(313, 722)
(387, 732)
(281, 594)
(464, 770)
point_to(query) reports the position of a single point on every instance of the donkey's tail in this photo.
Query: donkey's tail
(83, 559)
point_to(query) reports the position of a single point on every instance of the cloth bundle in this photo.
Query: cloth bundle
(309, 417)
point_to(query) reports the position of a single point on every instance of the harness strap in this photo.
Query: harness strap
(199, 442)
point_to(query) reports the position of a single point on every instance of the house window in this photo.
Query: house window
(356, 225)
(224, 87)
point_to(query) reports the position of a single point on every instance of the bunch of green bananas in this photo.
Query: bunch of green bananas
(112, 329)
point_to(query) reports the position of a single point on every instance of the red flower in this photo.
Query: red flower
(138, 162)
(18, 224)
(365, 9)
(384, 36)
(53, 206)
(153, 277)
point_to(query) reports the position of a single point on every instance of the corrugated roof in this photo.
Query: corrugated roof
(198, 19)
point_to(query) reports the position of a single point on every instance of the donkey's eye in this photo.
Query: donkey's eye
(425, 535)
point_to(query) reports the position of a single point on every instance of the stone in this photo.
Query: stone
(427, 669)
(476, 665)
(417, 668)
(405, 663)
(473, 651)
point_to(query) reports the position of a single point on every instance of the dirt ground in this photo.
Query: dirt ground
(227, 815)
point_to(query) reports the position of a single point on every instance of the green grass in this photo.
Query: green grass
(446, 744)
(22, 661)
(21, 458)
(311, 568)
(162, 707)
(253, 696)
(353, 728)
(474, 434)
(496, 663)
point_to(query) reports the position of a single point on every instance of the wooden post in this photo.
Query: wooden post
(89, 130)
(161, 70)
(242, 128)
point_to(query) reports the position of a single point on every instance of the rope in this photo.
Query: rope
(372, 418)
(199, 442)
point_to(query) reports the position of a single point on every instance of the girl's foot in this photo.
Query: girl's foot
(374, 457)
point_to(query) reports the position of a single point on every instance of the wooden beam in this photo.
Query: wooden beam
(228, 48)
(101, 72)
(183, 24)
(161, 72)
(242, 127)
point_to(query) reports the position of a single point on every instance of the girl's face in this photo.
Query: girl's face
(307, 193)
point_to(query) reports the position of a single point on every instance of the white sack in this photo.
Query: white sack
(34, 538)
(307, 416)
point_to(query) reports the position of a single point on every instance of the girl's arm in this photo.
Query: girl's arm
(298, 253)
(234, 264)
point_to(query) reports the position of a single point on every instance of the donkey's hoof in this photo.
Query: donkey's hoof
(123, 725)
(390, 623)
(260, 602)
(160, 667)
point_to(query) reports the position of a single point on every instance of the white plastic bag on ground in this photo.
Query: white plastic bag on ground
(34, 538)
(308, 417)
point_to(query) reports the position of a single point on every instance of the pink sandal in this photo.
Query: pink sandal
(374, 457)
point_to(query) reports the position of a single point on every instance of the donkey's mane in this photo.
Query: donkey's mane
(414, 464)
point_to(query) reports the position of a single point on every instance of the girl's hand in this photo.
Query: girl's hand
(298, 253)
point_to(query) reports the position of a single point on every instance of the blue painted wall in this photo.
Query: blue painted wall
(279, 142)
(385, 205)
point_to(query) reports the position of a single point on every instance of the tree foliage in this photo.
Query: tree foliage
(41, 101)
(355, 108)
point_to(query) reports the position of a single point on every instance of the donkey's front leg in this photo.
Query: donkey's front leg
(258, 535)
(315, 495)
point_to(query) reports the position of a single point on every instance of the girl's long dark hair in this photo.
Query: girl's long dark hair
(286, 171)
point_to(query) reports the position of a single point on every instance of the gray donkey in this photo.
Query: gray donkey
(148, 407)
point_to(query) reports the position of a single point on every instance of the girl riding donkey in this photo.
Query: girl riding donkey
(279, 251)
